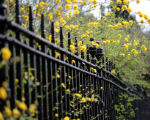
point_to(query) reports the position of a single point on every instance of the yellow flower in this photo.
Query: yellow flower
(76, 12)
(38, 15)
(114, 6)
(83, 48)
(124, 7)
(58, 76)
(69, 76)
(63, 85)
(50, 15)
(116, 26)
(37, 83)
(56, 30)
(128, 56)
(95, 70)
(75, 7)
(58, 1)
(126, 39)
(148, 20)
(104, 42)
(16, 113)
(67, 26)
(145, 17)
(133, 50)
(72, 26)
(103, 18)
(68, 90)
(97, 45)
(3, 93)
(6, 54)
(83, 99)
(141, 15)
(119, 25)
(67, 6)
(136, 53)
(32, 108)
(95, 100)
(4, 84)
(66, 118)
(113, 71)
(89, 99)
(74, 51)
(108, 41)
(129, 9)
(111, 26)
(71, 47)
(131, 22)
(122, 55)
(8, 111)
(23, 99)
(137, 1)
(119, 35)
(119, 1)
(56, 115)
(141, 21)
(101, 88)
(22, 106)
(66, 74)
(56, 24)
(111, 2)
(60, 7)
(118, 9)
(1, 116)
(78, 95)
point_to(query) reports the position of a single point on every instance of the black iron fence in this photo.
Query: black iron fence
(58, 85)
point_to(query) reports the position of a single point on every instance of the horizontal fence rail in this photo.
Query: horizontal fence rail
(57, 84)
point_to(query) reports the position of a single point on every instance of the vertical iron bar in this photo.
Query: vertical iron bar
(54, 67)
(27, 85)
(19, 53)
(50, 89)
(44, 71)
(13, 76)
(39, 88)
(63, 77)
(32, 58)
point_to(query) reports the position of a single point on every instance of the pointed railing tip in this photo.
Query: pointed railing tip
(18, 12)
(43, 31)
(61, 38)
(53, 32)
(31, 26)
(69, 41)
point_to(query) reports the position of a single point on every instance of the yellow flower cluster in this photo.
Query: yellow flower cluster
(6, 53)
(143, 48)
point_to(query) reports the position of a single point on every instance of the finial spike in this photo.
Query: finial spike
(61, 38)
(88, 55)
(18, 12)
(69, 41)
(76, 45)
(31, 27)
(53, 32)
(43, 31)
